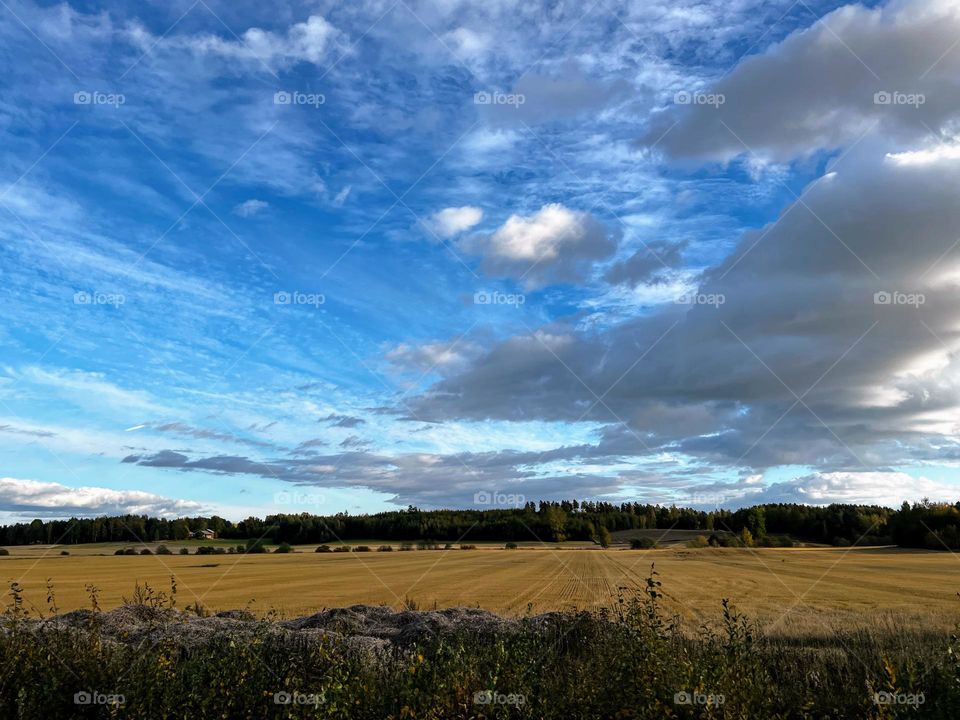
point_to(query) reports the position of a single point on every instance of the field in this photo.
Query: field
(788, 590)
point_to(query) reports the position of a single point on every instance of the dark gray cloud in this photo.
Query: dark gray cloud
(420, 478)
(343, 421)
(650, 264)
(825, 86)
(185, 430)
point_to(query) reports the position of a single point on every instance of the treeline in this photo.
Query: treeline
(924, 524)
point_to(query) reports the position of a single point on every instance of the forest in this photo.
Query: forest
(922, 525)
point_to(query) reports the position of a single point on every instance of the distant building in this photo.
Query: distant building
(207, 534)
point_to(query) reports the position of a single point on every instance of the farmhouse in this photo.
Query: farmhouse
(207, 534)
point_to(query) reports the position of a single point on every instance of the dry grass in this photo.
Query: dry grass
(794, 591)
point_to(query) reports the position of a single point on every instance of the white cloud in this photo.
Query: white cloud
(454, 220)
(249, 208)
(307, 41)
(875, 488)
(555, 244)
(51, 499)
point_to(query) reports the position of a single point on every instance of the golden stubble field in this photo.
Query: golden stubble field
(784, 588)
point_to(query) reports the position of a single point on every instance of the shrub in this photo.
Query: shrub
(284, 548)
(146, 551)
(385, 548)
(342, 548)
(184, 551)
(406, 546)
(4, 551)
(163, 550)
(700, 541)
(210, 550)
(510, 546)
(448, 546)
(362, 548)
(324, 548)
(468, 547)
(642, 543)
(64, 552)
(255, 546)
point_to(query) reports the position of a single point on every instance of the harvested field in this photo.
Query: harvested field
(787, 589)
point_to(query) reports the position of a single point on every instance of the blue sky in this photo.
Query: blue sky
(322, 256)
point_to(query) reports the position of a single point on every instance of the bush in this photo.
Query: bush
(700, 541)
(4, 551)
(64, 552)
(468, 547)
(284, 548)
(255, 546)
(406, 546)
(385, 548)
(362, 548)
(210, 550)
(163, 550)
(510, 546)
(642, 543)
(342, 548)
(324, 548)
(146, 551)
(184, 551)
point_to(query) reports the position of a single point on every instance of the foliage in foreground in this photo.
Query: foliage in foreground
(631, 662)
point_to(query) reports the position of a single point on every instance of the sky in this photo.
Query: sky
(348, 257)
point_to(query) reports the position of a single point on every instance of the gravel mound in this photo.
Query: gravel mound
(367, 629)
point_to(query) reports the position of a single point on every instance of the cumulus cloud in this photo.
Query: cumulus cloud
(452, 221)
(882, 488)
(891, 68)
(50, 499)
(555, 244)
